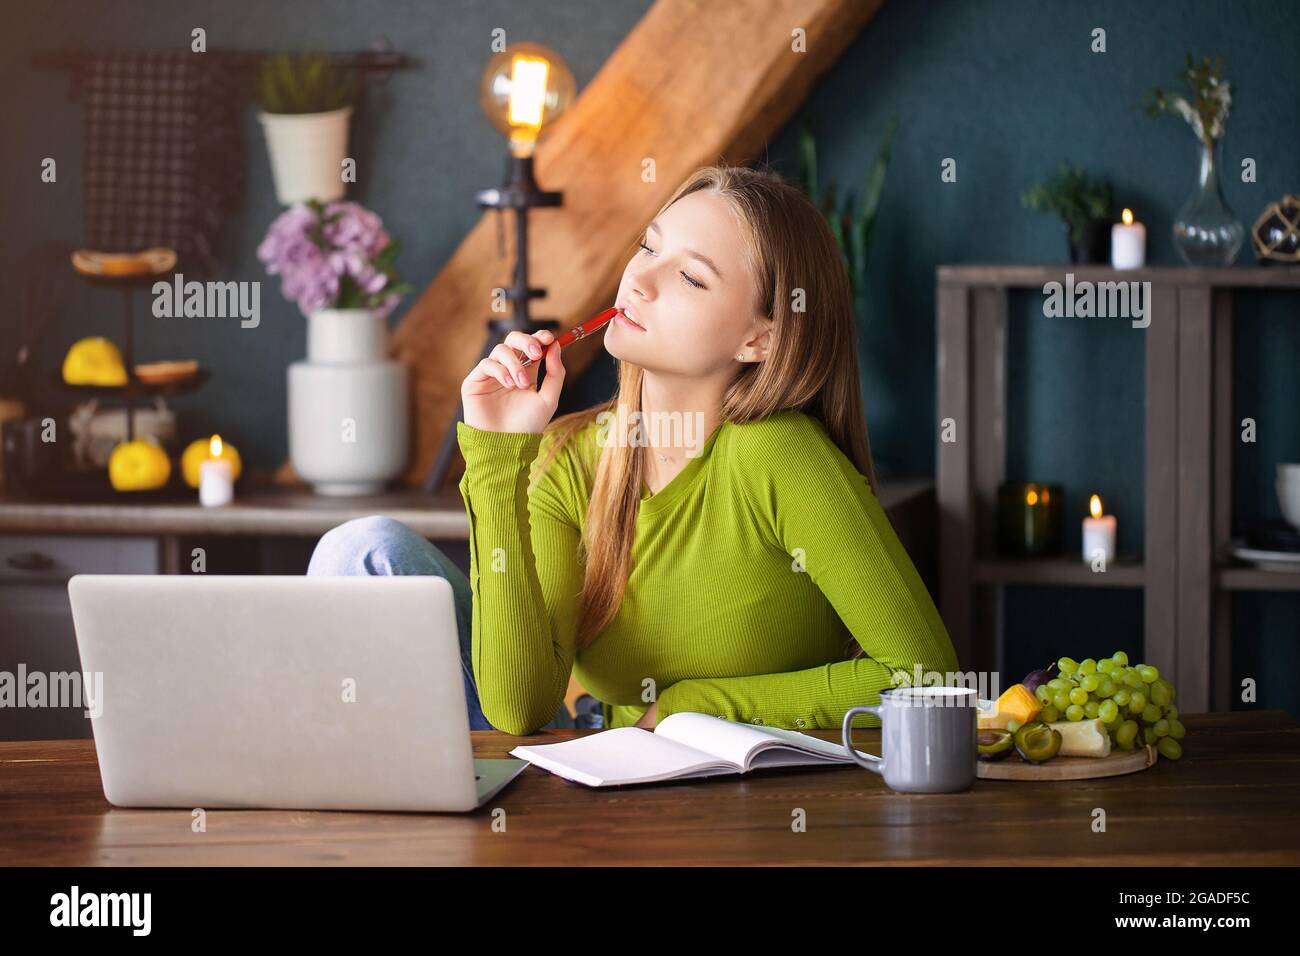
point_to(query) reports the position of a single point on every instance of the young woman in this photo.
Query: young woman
(709, 539)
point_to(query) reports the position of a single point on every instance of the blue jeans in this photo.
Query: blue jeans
(380, 545)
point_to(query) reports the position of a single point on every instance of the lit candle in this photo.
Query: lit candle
(1128, 243)
(216, 477)
(1098, 534)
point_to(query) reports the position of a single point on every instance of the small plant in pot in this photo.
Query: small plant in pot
(306, 101)
(1083, 203)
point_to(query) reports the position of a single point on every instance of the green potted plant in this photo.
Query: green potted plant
(1083, 203)
(852, 219)
(306, 100)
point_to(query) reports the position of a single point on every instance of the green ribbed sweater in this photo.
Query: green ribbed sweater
(750, 571)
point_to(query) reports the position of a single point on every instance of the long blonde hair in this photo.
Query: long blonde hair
(811, 366)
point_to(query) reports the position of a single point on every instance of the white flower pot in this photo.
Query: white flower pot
(307, 153)
(348, 409)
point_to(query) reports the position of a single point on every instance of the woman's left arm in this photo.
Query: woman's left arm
(806, 495)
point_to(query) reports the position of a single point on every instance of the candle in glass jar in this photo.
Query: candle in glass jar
(216, 477)
(1029, 519)
(1099, 534)
(1128, 243)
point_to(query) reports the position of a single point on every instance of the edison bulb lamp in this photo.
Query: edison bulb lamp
(525, 87)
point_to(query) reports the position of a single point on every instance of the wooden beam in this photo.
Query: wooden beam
(694, 83)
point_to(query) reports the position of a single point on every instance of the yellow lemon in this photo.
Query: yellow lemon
(198, 451)
(94, 361)
(139, 465)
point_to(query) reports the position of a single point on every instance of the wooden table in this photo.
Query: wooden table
(1233, 799)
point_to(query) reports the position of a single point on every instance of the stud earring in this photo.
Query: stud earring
(740, 358)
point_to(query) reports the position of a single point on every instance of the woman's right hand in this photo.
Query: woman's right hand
(499, 395)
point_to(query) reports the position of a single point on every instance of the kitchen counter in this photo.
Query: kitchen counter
(297, 512)
(266, 512)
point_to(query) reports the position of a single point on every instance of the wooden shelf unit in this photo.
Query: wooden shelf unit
(1189, 432)
(1230, 578)
(1062, 570)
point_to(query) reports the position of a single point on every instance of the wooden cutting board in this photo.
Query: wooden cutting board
(1068, 768)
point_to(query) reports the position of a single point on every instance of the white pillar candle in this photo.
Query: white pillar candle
(216, 478)
(1128, 243)
(1099, 535)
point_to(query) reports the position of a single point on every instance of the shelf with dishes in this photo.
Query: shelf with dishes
(95, 367)
(1267, 556)
(123, 437)
(154, 378)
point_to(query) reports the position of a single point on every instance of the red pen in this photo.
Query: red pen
(594, 324)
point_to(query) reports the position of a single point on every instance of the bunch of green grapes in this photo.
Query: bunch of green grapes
(1131, 701)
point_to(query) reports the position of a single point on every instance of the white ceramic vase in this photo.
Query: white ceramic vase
(348, 409)
(307, 153)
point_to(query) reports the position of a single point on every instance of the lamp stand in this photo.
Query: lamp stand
(520, 193)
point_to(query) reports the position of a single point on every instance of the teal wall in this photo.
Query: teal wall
(1006, 88)
(1009, 89)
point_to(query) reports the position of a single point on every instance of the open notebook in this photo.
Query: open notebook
(682, 746)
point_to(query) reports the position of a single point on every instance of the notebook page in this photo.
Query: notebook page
(828, 749)
(726, 739)
(619, 756)
(736, 743)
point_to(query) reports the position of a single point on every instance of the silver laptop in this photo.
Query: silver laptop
(280, 691)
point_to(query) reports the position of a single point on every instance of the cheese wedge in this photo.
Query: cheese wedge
(1018, 704)
(1083, 738)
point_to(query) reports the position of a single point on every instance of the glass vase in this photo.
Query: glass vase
(1206, 233)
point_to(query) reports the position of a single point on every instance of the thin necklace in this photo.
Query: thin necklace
(660, 456)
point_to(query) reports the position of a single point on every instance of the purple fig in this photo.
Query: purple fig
(1035, 678)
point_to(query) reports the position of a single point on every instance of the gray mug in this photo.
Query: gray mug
(927, 738)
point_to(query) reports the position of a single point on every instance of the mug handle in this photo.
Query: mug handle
(872, 762)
